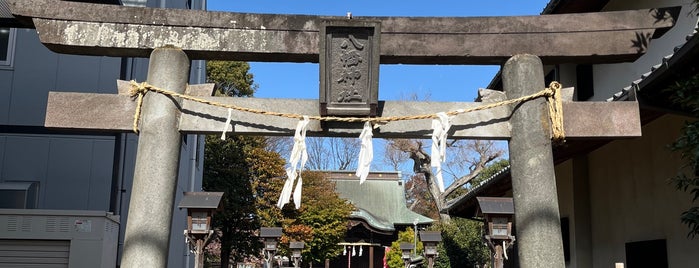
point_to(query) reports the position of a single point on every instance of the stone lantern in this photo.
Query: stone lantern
(430, 239)
(497, 213)
(201, 207)
(270, 236)
(406, 248)
(296, 247)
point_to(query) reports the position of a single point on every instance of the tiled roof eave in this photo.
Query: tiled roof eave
(373, 221)
(476, 190)
(666, 64)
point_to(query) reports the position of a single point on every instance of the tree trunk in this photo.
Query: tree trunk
(421, 164)
(437, 196)
(226, 244)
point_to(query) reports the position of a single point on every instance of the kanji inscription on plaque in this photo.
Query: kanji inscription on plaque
(349, 67)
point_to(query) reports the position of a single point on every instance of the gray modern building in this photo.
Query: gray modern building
(67, 192)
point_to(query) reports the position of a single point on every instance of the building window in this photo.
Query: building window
(565, 232)
(586, 85)
(649, 253)
(7, 46)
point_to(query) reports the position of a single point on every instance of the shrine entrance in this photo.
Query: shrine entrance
(528, 113)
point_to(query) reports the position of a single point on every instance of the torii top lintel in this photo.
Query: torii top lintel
(94, 29)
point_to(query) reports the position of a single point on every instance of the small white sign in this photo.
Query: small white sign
(83, 226)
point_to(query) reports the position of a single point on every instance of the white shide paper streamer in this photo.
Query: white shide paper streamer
(366, 153)
(297, 153)
(439, 145)
(228, 123)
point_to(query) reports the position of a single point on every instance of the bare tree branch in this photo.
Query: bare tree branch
(345, 151)
(469, 157)
(332, 153)
(394, 157)
(484, 152)
(317, 154)
(281, 145)
(414, 204)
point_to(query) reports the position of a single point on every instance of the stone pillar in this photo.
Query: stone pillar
(155, 177)
(537, 218)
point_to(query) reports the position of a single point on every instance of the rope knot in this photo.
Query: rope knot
(138, 88)
(552, 90)
(137, 91)
(555, 86)
(555, 103)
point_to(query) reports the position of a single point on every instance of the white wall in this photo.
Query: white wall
(611, 78)
(564, 188)
(631, 199)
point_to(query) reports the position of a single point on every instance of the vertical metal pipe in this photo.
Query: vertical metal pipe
(531, 160)
(155, 177)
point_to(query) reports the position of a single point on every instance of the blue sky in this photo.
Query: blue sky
(396, 82)
(436, 83)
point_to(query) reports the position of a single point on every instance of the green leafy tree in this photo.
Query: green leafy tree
(227, 168)
(394, 257)
(231, 78)
(321, 221)
(462, 244)
(462, 239)
(327, 214)
(685, 95)
(240, 167)
(490, 171)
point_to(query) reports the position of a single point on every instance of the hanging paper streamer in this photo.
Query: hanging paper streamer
(366, 153)
(228, 123)
(298, 152)
(439, 145)
(299, 185)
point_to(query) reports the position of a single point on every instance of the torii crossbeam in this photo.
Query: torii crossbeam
(108, 30)
(90, 29)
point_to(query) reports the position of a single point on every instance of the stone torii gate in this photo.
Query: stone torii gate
(174, 37)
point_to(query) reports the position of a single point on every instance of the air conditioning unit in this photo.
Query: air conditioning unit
(19, 195)
(66, 238)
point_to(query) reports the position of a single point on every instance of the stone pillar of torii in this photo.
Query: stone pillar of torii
(349, 50)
